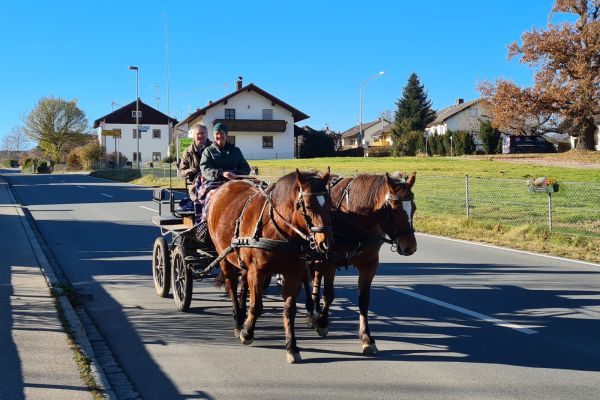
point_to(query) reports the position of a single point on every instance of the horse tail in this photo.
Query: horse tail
(220, 280)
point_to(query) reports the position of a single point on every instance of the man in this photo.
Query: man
(222, 161)
(189, 165)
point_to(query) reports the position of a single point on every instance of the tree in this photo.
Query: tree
(490, 137)
(55, 124)
(565, 96)
(414, 110)
(15, 141)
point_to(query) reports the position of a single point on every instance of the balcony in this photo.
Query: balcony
(253, 125)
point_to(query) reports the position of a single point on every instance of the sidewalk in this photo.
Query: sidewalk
(36, 361)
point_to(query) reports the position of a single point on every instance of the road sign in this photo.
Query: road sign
(112, 132)
(144, 128)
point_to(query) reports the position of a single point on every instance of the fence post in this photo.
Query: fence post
(550, 210)
(467, 196)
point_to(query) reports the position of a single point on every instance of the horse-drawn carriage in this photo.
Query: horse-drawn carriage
(279, 230)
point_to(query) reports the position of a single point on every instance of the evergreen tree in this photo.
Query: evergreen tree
(414, 109)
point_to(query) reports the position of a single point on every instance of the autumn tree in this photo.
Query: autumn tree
(565, 96)
(56, 125)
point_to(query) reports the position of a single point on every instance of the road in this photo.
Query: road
(454, 321)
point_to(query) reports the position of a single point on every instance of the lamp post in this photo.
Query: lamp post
(137, 111)
(451, 147)
(360, 136)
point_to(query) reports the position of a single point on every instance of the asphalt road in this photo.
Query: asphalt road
(453, 321)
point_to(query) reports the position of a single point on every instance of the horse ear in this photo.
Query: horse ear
(298, 176)
(327, 175)
(411, 179)
(389, 180)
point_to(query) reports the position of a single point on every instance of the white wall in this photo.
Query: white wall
(249, 105)
(127, 145)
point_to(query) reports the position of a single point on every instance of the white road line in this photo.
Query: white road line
(81, 187)
(475, 314)
(107, 195)
(148, 208)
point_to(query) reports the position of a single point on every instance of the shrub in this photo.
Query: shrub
(43, 167)
(490, 137)
(316, 144)
(73, 159)
(409, 144)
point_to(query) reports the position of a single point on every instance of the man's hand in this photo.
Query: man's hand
(229, 175)
(191, 174)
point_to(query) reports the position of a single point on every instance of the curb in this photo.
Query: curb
(70, 314)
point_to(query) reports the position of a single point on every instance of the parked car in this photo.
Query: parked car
(526, 144)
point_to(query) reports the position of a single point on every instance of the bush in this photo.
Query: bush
(73, 159)
(9, 163)
(353, 152)
(316, 144)
(463, 143)
(409, 144)
(43, 167)
(490, 137)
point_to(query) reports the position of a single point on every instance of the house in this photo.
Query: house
(117, 132)
(259, 123)
(373, 134)
(462, 116)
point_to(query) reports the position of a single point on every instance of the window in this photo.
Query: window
(134, 133)
(230, 113)
(156, 156)
(135, 158)
(231, 139)
(352, 142)
(155, 133)
(268, 114)
(139, 113)
(473, 112)
(267, 142)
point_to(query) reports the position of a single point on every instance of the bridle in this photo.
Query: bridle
(406, 206)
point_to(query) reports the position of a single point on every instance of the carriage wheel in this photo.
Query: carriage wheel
(161, 267)
(267, 282)
(181, 280)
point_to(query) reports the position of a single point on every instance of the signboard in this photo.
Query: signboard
(184, 143)
(112, 132)
(144, 128)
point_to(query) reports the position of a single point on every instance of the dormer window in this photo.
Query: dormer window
(133, 113)
(267, 114)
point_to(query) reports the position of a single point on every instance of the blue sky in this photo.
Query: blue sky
(311, 54)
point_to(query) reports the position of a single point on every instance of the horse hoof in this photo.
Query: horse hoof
(236, 333)
(369, 349)
(322, 331)
(293, 358)
(245, 338)
(311, 322)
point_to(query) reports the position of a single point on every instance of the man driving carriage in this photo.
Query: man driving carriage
(220, 162)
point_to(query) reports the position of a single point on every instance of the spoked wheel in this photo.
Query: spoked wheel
(181, 280)
(161, 267)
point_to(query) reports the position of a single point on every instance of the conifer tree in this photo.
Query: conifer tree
(414, 109)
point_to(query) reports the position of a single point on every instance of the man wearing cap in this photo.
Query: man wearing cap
(222, 161)
(189, 165)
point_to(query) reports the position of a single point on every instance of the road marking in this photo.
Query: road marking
(107, 195)
(148, 208)
(475, 314)
(81, 187)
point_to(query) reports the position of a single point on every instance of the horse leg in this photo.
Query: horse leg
(243, 294)
(255, 282)
(290, 292)
(231, 282)
(310, 303)
(365, 278)
(328, 273)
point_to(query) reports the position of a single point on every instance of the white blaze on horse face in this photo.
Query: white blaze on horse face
(321, 200)
(407, 206)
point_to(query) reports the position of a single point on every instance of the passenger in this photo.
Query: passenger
(221, 161)
(189, 165)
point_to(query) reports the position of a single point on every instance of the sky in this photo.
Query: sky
(311, 54)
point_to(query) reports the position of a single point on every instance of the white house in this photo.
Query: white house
(373, 134)
(462, 116)
(155, 128)
(260, 124)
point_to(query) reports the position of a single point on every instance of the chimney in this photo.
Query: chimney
(239, 83)
(210, 102)
(459, 101)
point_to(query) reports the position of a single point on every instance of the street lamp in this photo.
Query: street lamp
(360, 136)
(137, 111)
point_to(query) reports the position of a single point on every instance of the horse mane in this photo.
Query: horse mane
(281, 190)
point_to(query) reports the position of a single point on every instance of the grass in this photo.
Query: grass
(502, 211)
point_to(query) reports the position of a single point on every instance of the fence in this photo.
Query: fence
(573, 210)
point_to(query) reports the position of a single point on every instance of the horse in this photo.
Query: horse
(270, 231)
(369, 210)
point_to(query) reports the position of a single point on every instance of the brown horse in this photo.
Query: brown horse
(369, 210)
(271, 232)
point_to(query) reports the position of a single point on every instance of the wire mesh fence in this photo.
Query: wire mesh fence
(573, 210)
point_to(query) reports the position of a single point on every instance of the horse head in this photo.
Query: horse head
(398, 211)
(312, 211)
